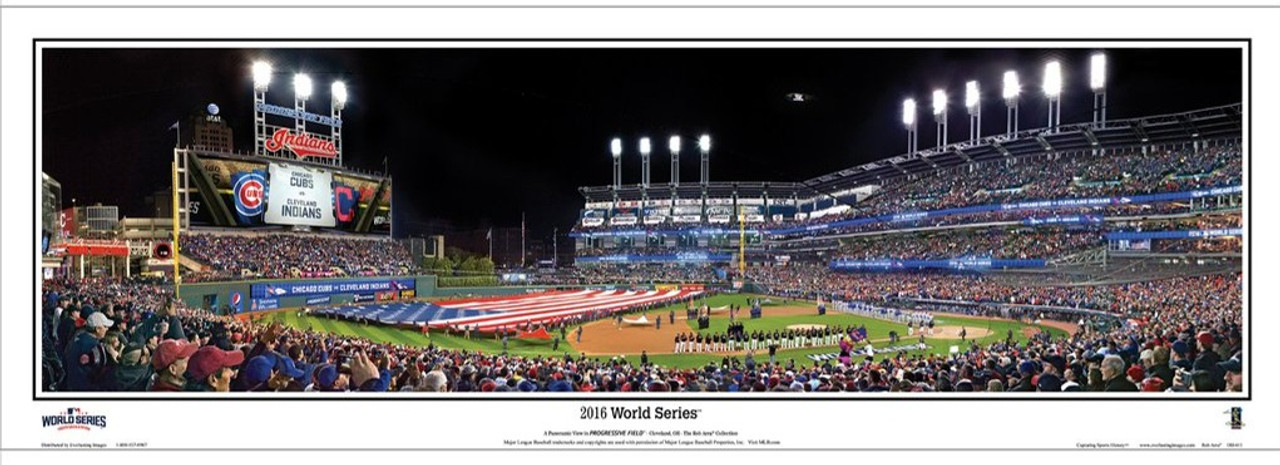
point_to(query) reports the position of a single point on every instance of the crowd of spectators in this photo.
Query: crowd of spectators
(1181, 334)
(293, 256)
(989, 243)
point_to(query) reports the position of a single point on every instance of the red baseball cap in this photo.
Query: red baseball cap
(1205, 338)
(209, 359)
(172, 350)
(1152, 384)
(1135, 372)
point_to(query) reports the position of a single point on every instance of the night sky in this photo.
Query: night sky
(476, 136)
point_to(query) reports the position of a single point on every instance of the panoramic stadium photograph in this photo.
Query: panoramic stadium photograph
(642, 220)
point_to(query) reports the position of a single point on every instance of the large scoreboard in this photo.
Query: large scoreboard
(241, 191)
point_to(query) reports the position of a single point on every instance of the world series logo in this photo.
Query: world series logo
(74, 419)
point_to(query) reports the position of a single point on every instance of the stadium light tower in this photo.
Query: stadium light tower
(704, 146)
(1098, 82)
(338, 94)
(644, 160)
(1012, 89)
(301, 92)
(940, 116)
(972, 101)
(674, 146)
(616, 147)
(1053, 91)
(261, 81)
(909, 120)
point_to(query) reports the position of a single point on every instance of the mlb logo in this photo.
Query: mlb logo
(73, 411)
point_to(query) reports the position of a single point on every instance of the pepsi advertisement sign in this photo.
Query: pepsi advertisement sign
(317, 288)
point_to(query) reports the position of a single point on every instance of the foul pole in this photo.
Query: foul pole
(177, 276)
(742, 244)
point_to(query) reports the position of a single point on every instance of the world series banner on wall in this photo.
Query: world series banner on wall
(299, 195)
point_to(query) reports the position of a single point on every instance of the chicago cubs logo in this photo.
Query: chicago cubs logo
(248, 192)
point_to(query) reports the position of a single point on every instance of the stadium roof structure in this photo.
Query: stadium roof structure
(1209, 123)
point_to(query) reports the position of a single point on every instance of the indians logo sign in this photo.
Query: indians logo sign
(303, 145)
(249, 192)
(74, 418)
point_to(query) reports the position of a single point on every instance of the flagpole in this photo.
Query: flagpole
(522, 240)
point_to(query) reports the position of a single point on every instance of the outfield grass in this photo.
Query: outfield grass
(877, 330)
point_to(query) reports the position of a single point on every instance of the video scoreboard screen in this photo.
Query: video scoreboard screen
(243, 192)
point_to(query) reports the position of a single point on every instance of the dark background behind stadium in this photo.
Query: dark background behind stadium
(476, 137)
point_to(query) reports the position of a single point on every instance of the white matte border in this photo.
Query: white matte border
(394, 424)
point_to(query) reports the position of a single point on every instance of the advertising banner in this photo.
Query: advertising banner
(357, 298)
(690, 257)
(952, 264)
(1064, 220)
(592, 217)
(656, 215)
(719, 214)
(264, 304)
(315, 288)
(321, 300)
(1189, 234)
(299, 195)
(623, 216)
(408, 294)
(386, 295)
(68, 221)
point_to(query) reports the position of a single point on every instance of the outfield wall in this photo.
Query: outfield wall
(216, 295)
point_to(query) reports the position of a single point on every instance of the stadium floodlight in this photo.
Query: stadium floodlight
(971, 95)
(1053, 79)
(302, 86)
(644, 145)
(1011, 86)
(1098, 81)
(972, 101)
(674, 144)
(616, 147)
(1053, 90)
(909, 120)
(1098, 71)
(940, 116)
(339, 91)
(261, 75)
(704, 143)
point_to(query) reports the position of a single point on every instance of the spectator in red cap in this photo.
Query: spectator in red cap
(1136, 373)
(1207, 360)
(212, 369)
(1152, 385)
(170, 362)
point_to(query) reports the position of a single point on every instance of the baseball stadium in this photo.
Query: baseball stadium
(1074, 258)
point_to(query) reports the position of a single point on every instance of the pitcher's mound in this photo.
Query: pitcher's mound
(953, 332)
(805, 327)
